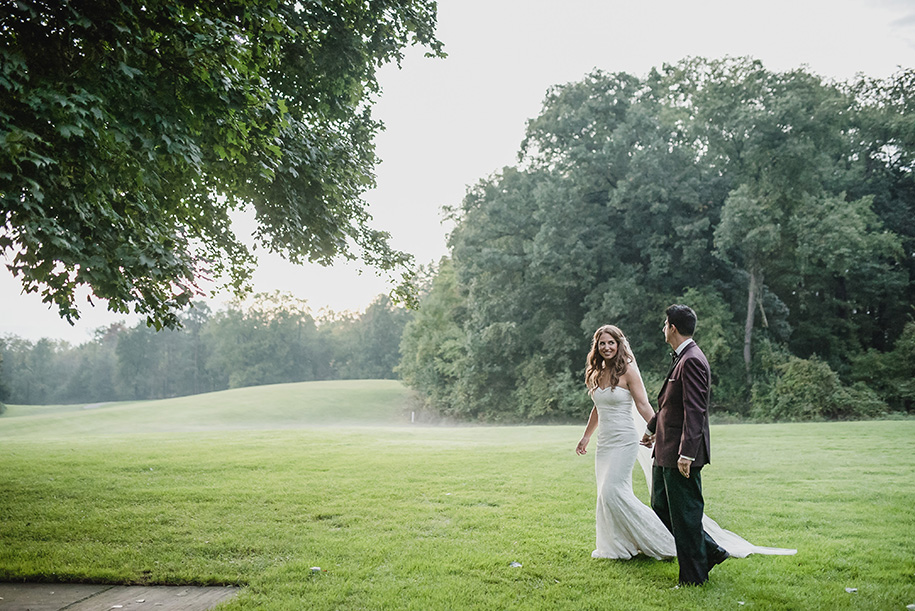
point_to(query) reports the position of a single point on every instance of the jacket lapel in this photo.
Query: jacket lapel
(673, 365)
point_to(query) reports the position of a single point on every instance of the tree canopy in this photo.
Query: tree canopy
(773, 203)
(132, 130)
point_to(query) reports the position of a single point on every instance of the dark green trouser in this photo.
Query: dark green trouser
(678, 502)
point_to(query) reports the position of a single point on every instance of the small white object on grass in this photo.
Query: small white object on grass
(516, 565)
(851, 590)
(315, 569)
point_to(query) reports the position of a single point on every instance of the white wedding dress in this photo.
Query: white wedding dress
(626, 526)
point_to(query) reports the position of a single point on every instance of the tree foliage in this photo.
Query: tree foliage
(808, 389)
(132, 130)
(891, 374)
(772, 202)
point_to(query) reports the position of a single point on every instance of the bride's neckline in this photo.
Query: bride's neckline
(613, 388)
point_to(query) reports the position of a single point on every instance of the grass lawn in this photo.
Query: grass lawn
(256, 486)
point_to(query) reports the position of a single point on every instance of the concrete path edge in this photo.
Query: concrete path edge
(99, 597)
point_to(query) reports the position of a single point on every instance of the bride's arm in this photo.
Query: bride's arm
(589, 430)
(637, 390)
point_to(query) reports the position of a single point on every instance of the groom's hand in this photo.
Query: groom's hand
(647, 440)
(683, 465)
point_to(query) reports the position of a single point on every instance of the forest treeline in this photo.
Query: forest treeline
(273, 339)
(778, 205)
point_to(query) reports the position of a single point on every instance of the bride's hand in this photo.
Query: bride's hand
(581, 449)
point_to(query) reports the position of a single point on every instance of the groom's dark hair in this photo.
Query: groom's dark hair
(683, 318)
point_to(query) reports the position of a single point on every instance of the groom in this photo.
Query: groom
(680, 433)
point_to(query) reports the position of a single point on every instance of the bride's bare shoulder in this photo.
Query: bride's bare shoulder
(632, 367)
(632, 376)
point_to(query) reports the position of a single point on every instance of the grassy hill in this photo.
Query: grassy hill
(277, 406)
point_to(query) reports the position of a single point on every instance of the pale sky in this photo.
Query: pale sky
(452, 122)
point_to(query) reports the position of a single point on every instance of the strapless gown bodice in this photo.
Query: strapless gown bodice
(614, 409)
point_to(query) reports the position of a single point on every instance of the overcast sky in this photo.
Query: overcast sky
(452, 122)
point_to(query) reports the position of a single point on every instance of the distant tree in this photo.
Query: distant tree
(169, 363)
(4, 387)
(505, 312)
(271, 340)
(139, 352)
(31, 368)
(367, 346)
(92, 368)
(132, 130)
(891, 374)
(338, 342)
(434, 344)
(193, 375)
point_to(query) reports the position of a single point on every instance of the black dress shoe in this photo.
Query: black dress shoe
(717, 559)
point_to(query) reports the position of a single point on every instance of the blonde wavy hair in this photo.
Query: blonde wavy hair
(616, 366)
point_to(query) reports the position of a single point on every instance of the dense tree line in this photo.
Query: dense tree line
(273, 339)
(778, 205)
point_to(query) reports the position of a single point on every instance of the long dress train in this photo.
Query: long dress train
(625, 526)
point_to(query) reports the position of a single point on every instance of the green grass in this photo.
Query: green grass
(256, 486)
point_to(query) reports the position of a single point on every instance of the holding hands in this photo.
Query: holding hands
(647, 440)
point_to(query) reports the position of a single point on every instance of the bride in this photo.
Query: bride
(626, 526)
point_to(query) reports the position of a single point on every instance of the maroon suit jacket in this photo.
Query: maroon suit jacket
(681, 423)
